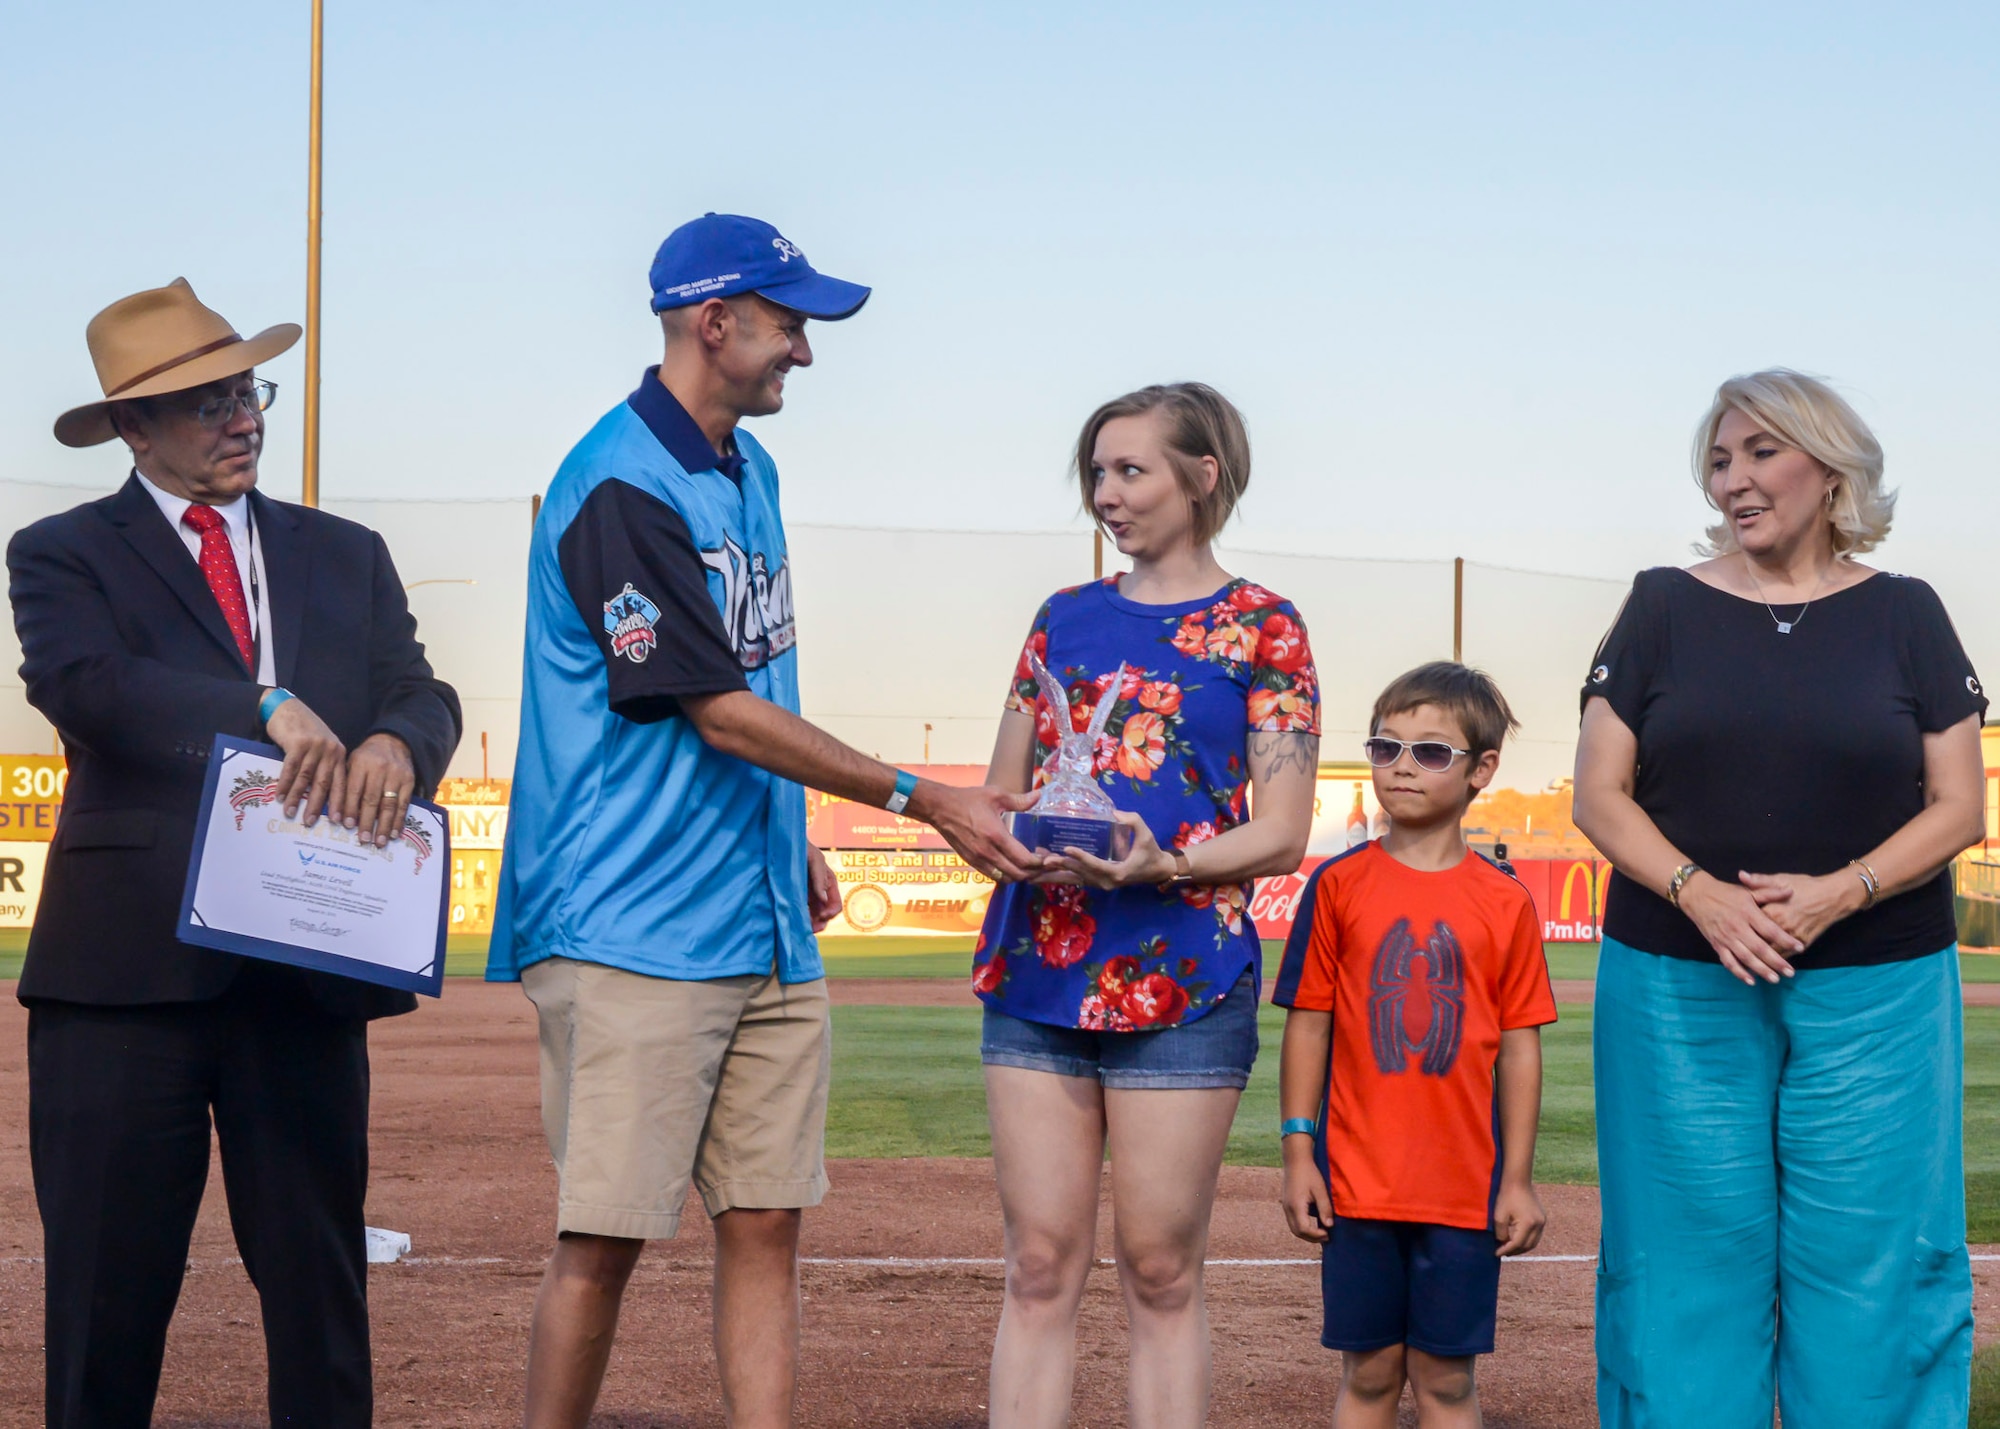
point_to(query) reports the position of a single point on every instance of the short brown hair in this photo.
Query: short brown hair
(1467, 695)
(1200, 422)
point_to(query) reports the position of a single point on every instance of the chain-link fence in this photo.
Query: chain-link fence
(907, 637)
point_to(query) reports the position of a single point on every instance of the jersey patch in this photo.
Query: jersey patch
(631, 620)
(756, 603)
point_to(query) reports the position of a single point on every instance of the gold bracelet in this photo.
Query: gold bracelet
(1868, 881)
(1679, 881)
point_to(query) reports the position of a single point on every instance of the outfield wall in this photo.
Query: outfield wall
(898, 879)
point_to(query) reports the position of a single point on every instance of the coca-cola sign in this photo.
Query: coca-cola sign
(1275, 902)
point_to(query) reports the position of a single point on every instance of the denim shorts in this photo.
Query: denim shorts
(1215, 1050)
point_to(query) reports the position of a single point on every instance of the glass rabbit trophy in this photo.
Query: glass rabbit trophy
(1073, 812)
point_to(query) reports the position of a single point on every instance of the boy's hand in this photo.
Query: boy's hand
(1308, 1204)
(1518, 1218)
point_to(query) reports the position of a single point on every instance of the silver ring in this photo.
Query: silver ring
(390, 794)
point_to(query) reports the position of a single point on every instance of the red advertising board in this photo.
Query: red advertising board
(840, 823)
(1568, 895)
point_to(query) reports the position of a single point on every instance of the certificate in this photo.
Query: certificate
(266, 886)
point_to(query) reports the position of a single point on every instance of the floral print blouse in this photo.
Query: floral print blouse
(1199, 677)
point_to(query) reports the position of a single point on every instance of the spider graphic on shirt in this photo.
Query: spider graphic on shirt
(1393, 990)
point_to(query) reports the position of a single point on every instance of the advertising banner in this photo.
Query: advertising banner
(475, 881)
(900, 893)
(477, 809)
(31, 795)
(1344, 810)
(897, 877)
(839, 823)
(21, 865)
(1569, 894)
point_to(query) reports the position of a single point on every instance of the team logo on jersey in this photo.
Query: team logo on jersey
(756, 603)
(629, 619)
(1436, 997)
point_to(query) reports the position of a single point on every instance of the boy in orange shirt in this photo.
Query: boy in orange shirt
(1409, 1138)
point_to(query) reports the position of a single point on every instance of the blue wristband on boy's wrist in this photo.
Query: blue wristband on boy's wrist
(906, 785)
(1297, 1126)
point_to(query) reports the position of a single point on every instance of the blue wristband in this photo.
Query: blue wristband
(906, 785)
(268, 706)
(1297, 1126)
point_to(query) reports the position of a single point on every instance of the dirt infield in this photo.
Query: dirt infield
(460, 1165)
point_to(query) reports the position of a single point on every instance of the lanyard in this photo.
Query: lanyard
(256, 596)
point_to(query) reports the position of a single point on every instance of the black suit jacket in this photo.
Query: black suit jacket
(125, 650)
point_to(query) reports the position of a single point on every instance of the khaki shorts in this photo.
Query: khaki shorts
(649, 1082)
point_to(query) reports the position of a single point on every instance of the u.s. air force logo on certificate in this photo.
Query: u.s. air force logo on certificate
(629, 619)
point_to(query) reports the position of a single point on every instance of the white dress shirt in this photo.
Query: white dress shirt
(247, 546)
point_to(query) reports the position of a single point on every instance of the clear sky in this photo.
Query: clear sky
(1472, 271)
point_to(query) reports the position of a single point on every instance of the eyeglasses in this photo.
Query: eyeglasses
(1432, 754)
(219, 411)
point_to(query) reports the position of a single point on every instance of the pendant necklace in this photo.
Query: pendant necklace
(1785, 626)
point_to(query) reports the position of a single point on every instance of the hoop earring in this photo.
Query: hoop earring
(1829, 498)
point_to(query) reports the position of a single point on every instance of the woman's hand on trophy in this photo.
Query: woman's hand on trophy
(1144, 862)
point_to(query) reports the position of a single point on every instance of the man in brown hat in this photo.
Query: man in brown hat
(186, 605)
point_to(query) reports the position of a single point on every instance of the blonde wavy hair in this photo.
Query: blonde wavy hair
(1805, 413)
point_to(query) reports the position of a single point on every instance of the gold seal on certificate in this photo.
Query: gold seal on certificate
(266, 886)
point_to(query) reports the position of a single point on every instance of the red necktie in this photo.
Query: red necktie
(218, 563)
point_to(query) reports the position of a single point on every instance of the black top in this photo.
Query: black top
(1764, 752)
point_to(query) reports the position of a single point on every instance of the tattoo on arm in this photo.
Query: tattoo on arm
(1272, 755)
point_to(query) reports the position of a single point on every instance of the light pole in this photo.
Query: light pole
(309, 478)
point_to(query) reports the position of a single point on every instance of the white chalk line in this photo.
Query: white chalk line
(899, 1262)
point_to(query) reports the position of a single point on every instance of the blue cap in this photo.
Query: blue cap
(722, 254)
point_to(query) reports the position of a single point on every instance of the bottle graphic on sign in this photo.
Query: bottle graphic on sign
(1357, 821)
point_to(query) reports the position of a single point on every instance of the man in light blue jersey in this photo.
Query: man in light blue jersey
(658, 895)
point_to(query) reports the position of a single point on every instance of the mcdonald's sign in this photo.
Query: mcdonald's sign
(1568, 895)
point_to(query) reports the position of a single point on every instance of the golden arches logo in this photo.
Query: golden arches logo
(1593, 888)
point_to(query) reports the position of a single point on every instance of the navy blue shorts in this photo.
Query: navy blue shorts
(1215, 1050)
(1433, 1288)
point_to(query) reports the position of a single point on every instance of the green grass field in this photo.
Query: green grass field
(1985, 1390)
(906, 1082)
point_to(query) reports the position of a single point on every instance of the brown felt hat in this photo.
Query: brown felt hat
(162, 340)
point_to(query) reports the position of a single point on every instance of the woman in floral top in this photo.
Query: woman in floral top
(1121, 997)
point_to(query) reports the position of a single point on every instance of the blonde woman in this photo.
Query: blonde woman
(1121, 997)
(1780, 756)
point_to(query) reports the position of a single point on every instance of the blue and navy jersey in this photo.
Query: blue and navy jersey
(658, 571)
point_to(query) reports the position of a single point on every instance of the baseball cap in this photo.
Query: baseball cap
(722, 254)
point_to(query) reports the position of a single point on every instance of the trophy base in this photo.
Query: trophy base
(1052, 833)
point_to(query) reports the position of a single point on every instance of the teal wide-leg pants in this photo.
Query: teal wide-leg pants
(1783, 1184)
